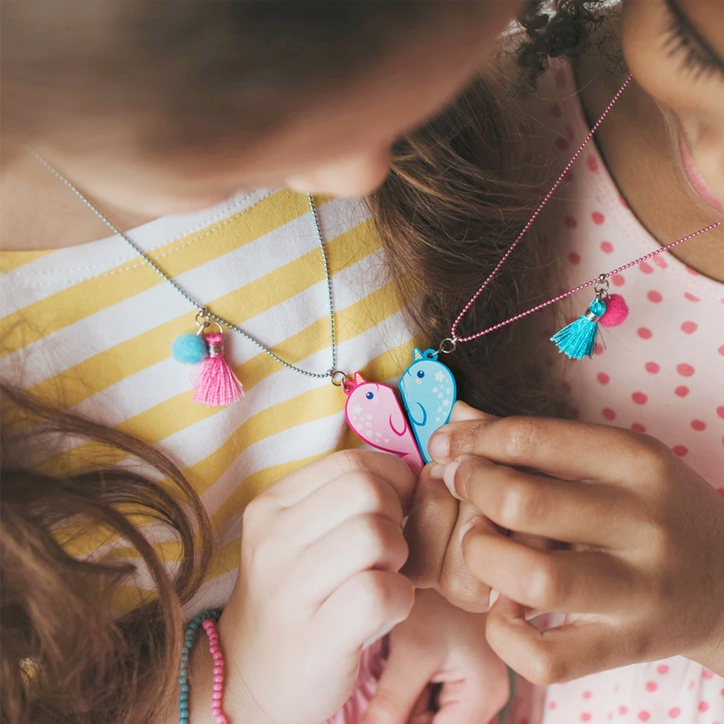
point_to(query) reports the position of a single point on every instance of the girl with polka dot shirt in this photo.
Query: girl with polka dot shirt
(612, 521)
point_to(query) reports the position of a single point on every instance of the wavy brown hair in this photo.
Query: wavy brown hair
(458, 193)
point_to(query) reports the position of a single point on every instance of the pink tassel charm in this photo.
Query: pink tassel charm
(216, 384)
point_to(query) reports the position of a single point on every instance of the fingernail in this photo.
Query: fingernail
(435, 471)
(467, 526)
(382, 631)
(449, 475)
(494, 596)
(439, 445)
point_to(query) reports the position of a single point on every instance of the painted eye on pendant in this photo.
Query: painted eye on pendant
(369, 395)
(420, 374)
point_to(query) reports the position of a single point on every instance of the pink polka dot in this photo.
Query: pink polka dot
(660, 262)
(639, 398)
(652, 367)
(644, 333)
(691, 297)
(556, 110)
(561, 143)
(598, 217)
(610, 715)
(574, 257)
(599, 349)
(552, 705)
(651, 686)
(592, 163)
(618, 280)
(720, 411)
(608, 413)
(662, 669)
(689, 327)
(675, 712)
(606, 247)
(604, 379)
(646, 268)
(685, 370)
(708, 674)
(654, 296)
(622, 201)
(568, 177)
(703, 706)
(680, 450)
(586, 694)
(721, 350)
(698, 425)
(622, 710)
(585, 716)
(570, 222)
(638, 427)
(682, 391)
(644, 716)
(692, 272)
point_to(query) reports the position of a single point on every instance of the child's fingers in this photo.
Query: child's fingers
(537, 504)
(457, 583)
(361, 543)
(562, 448)
(428, 529)
(562, 581)
(298, 485)
(407, 673)
(329, 506)
(367, 604)
(557, 654)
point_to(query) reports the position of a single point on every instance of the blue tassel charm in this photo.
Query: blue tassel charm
(578, 339)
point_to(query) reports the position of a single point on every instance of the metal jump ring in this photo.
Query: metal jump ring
(338, 377)
(448, 345)
(601, 286)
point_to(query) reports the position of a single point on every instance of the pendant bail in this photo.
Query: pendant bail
(448, 345)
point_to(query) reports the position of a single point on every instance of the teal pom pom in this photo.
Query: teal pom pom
(578, 339)
(189, 349)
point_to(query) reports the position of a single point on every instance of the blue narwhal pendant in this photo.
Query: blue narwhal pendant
(428, 392)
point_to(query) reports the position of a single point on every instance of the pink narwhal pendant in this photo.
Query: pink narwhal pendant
(374, 414)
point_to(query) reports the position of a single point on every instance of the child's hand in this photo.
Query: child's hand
(439, 643)
(320, 555)
(644, 571)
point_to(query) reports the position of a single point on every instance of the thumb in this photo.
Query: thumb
(407, 673)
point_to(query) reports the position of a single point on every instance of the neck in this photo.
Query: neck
(39, 212)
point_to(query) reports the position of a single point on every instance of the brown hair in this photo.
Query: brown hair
(457, 195)
(66, 655)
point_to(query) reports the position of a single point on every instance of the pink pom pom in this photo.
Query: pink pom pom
(216, 383)
(616, 311)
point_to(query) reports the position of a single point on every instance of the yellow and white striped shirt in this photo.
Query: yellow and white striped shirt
(89, 328)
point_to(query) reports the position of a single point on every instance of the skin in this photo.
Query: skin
(628, 538)
(341, 146)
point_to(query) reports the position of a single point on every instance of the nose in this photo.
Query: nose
(356, 175)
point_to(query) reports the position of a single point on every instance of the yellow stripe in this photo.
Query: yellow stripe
(70, 387)
(88, 297)
(10, 260)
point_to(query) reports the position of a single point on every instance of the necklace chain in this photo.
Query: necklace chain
(449, 344)
(332, 373)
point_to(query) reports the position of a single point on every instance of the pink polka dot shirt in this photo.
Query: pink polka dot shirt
(661, 372)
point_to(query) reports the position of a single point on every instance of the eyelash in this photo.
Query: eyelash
(695, 60)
